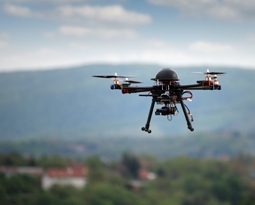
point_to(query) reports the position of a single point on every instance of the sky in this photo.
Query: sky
(46, 34)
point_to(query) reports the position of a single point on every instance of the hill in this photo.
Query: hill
(200, 145)
(69, 103)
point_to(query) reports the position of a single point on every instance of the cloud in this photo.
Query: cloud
(83, 14)
(4, 45)
(104, 22)
(111, 14)
(37, 59)
(55, 1)
(105, 33)
(251, 37)
(45, 1)
(20, 11)
(4, 35)
(129, 51)
(218, 9)
(207, 47)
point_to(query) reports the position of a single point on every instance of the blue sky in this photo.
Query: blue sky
(43, 34)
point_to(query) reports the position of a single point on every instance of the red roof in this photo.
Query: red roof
(73, 171)
(143, 174)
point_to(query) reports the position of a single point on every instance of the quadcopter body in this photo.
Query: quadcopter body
(167, 92)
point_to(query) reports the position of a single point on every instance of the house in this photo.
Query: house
(143, 176)
(14, 170)
(74, 175)
(146, 175)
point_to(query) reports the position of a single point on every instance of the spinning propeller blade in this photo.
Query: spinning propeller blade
(104, 76)
(209, 73)
(112, 76)
(132, 81)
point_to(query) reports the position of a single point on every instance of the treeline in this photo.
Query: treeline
(196, 145)
(179, 181)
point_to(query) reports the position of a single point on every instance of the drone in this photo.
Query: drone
(167, 92)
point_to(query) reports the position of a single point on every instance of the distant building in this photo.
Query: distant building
(75, 175)
(146, 175)
(224, 158)
(135, 185)
(13, 170)
(143, 176)
(33, 171)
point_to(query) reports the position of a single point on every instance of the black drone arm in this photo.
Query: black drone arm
(197, 87)
(152, 89)
(136, 89)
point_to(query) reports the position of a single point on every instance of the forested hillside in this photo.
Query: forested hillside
(179, 181)
(70, 103)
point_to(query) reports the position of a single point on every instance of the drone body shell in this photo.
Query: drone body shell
(166, 75)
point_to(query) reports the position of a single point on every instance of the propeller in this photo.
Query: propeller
(131, 81)
(209, 73)
(112, 76)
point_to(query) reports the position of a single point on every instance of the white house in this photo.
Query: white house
(75, 175)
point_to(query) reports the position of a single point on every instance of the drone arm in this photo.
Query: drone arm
(199, 87)
(189, 86)
(205, 88)
(136, 89)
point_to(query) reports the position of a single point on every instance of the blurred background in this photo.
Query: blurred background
(55, 117)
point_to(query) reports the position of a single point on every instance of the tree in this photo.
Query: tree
(131, 164)
(107, 194)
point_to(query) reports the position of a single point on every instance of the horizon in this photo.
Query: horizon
(54, 68)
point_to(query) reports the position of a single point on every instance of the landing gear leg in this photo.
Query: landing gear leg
(185, 113)
(147, 126)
